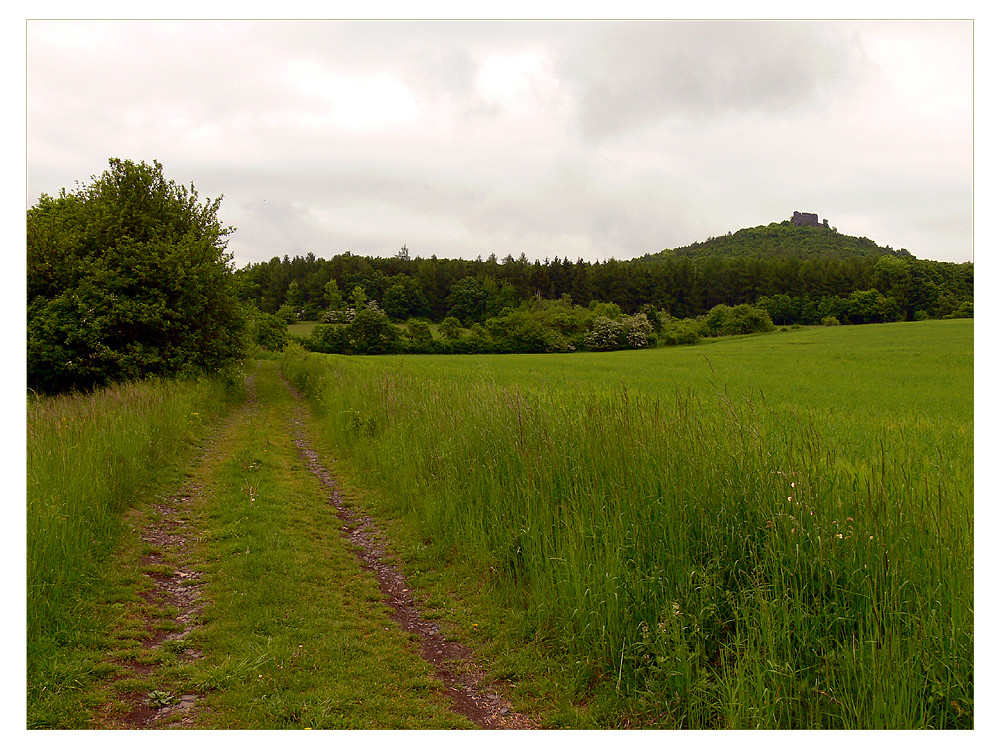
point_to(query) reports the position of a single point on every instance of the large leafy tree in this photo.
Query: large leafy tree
(128, 277)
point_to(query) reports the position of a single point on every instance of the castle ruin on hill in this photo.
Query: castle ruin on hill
(808, 220)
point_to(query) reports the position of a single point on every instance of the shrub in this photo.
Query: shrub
(748, 319)
(719, 321)
(450, 328)
(480, 338)
(964, 310)
(871, 306)
(287, 313)
(522, 331)
(639, 332)
(677, 332)
(723, 320)
(371, 332)
(605, 309)
(329, 339)
(604, 335)
(338, 316)
(269, 331)
(418, 331)
(128, 277)
(625, 332)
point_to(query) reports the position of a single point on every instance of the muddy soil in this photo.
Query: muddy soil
(177, 588)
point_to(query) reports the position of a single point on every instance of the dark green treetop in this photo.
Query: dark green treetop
(128, 277)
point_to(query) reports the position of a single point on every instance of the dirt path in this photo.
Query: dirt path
(470, 695)
(177, 595)
(178, 589)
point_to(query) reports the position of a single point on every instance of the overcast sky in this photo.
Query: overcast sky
(572, 139)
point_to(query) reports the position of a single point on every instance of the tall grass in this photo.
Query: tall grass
(718, 560)
(89, 457)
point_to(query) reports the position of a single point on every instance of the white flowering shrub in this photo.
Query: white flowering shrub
(604, 335)
(338, 316)
(638, 330)
(625, 332)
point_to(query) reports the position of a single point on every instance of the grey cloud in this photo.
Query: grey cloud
(634, 74)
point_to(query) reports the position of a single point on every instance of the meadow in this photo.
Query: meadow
(759, 532)
(302, 328)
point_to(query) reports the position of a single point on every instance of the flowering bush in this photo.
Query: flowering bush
(625, 332)
(338, 316)
(604, 335)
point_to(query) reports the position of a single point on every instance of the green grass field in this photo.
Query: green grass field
(911, 371)
(770, 531)
(302, 328)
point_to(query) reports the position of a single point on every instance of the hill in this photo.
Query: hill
(780, 240)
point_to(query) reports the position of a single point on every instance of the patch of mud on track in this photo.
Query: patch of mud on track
(452, 661)
(177, 588)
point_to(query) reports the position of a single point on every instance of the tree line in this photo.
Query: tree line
(129, 277)
(886, 286)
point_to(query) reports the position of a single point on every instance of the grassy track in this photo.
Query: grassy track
(291, 633)
(296, 635)
(762, 532)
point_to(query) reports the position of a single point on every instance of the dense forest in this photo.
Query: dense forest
(799, 275)
(781, 240)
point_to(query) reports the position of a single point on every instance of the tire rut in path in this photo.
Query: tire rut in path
(463, 680)
(180, 591)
